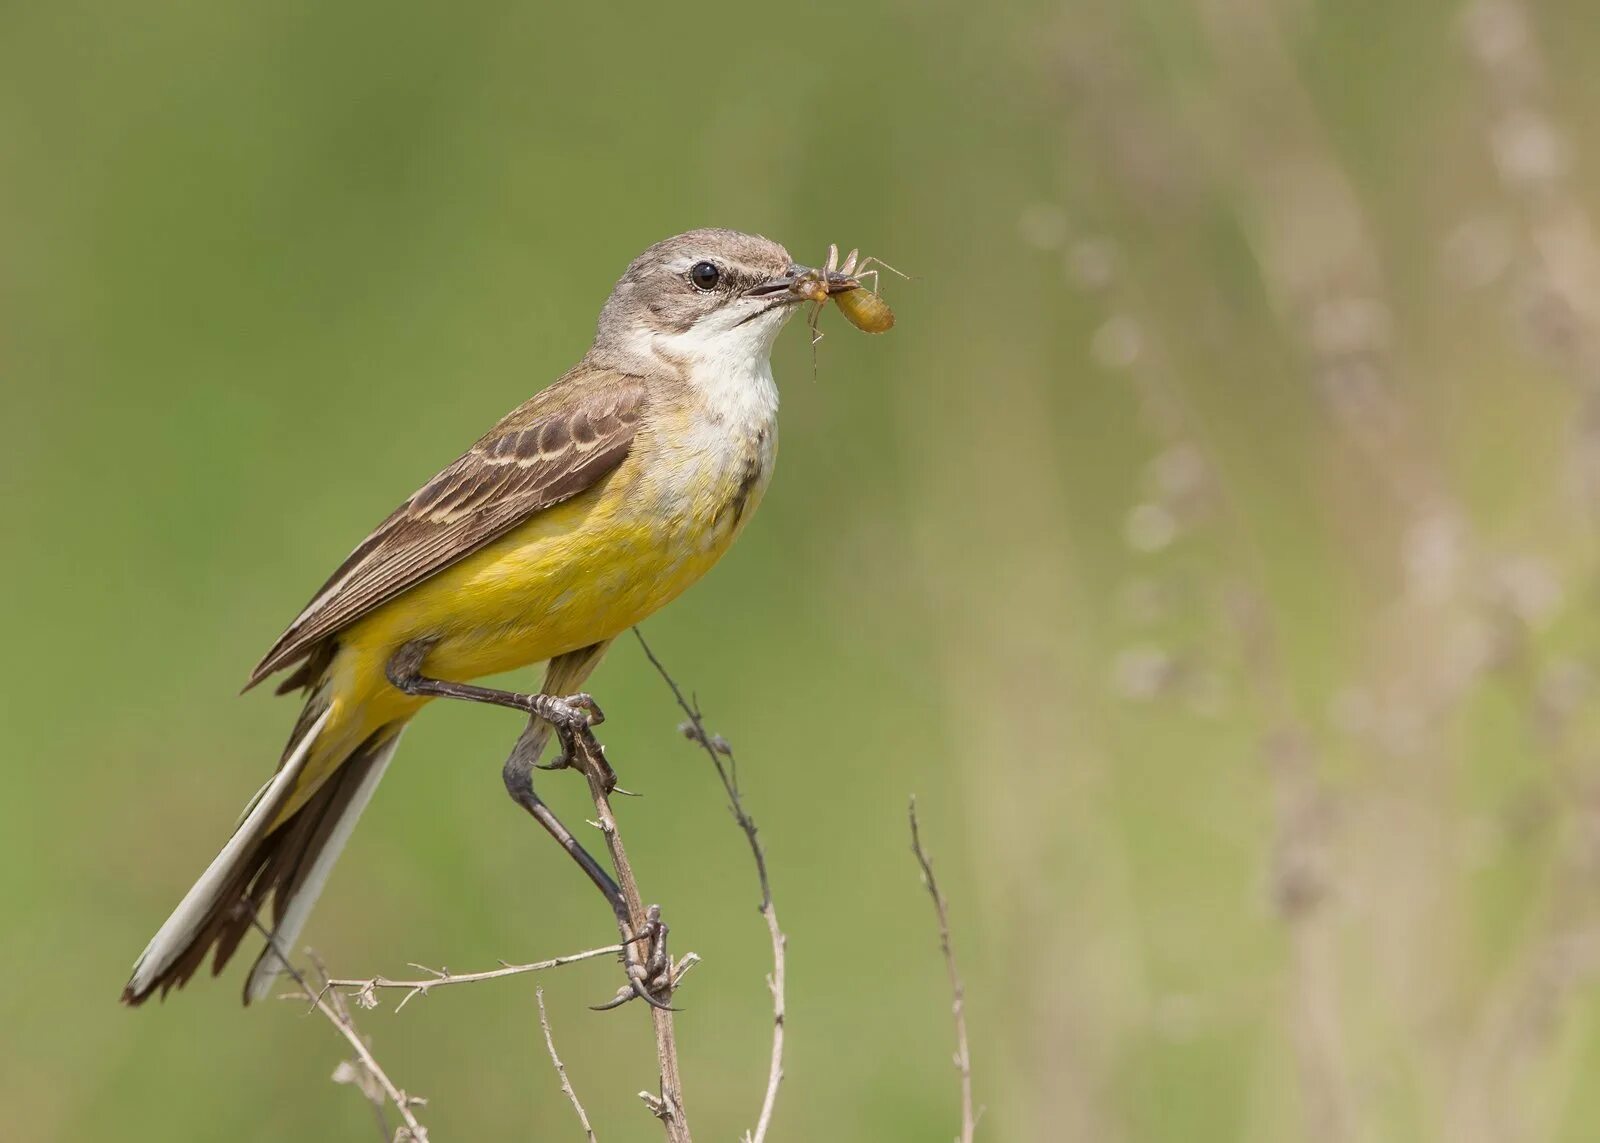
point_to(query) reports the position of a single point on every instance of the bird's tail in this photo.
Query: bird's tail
(285, 855)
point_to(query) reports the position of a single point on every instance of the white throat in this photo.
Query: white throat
(731, 365)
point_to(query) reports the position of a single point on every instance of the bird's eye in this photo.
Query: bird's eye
(704, 275)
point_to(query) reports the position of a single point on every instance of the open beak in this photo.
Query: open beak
(775, 286)
(804, 284)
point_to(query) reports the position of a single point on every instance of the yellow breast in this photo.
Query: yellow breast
(581, 572)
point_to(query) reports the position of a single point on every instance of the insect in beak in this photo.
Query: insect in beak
(811, 286)
(820, 285)
(841, 283)
(805, 284)
(863, 308)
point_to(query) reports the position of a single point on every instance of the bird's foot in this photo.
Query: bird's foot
(572, 716)
(649, 979)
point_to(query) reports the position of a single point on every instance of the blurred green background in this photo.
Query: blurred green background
(1211, 547)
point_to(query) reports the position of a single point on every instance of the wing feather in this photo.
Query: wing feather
(556, 445)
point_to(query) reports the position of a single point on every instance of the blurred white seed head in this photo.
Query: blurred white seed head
(1117, 343)
(1478, 252)
(1348, 326)
(1043, 226)
(1091, 263)
(1432, 553)
(1144, 672)
(1528, 587)
(1150, 527)
(1179, 472)
(1497, 32)
(1527, 148)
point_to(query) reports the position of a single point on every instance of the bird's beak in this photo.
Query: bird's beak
(783, 284)
(804, 284)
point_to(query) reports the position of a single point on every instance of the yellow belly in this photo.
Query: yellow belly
(572, 576)
(579, 573)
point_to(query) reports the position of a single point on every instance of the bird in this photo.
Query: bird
(585, 509)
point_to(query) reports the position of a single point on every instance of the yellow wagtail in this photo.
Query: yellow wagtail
(584, 510)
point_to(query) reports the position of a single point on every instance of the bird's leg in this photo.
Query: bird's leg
(570, 715)
(572, 718)
(641, 967)
(518, 775)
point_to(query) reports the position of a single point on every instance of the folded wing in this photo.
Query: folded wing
(556, 445)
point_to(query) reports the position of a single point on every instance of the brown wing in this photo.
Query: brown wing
(550, 449)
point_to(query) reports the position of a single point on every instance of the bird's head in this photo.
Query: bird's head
(704, 296)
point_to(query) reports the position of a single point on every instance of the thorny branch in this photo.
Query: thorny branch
(717, 749)
(332, 1005)
(366, 991)
(561, 1069)
(667, 1106)
(958, 991)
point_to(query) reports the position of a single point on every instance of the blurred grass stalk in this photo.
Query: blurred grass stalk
(1400, 1022)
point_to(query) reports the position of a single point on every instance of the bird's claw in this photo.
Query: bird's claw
(651, 979)
(572, 716)
(572, 713)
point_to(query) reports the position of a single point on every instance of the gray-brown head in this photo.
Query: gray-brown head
(704, 294)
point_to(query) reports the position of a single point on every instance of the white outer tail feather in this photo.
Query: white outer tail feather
(271, 965)
(180, 928)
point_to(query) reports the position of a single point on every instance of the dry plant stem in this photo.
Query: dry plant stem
(366, 990)
(340, 1018)
(958, 990)
(717, 749)
(775, 983)
(561, 1069)
(669, 1109)
(413, 1131)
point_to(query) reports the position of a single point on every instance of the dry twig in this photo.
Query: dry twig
(666, 1106)
(717, 749)
(332, 1005)
(958, 991)
(561, 1069)
(366, 991)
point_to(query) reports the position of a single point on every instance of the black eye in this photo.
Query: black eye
(705, 275)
